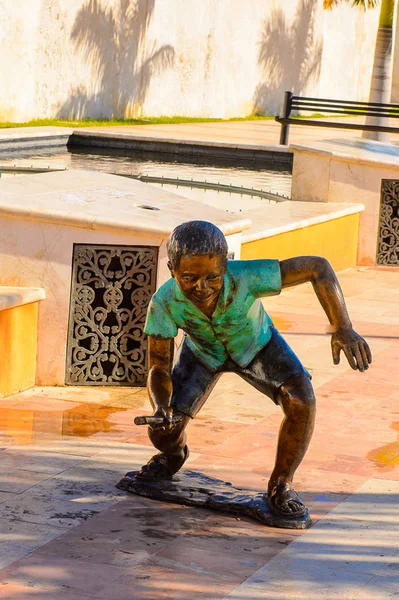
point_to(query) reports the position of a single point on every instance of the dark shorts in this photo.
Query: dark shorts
(272, 367)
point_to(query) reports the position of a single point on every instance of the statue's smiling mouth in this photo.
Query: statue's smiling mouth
(203, 296)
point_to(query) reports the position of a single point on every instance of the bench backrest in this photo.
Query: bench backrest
(343, 107)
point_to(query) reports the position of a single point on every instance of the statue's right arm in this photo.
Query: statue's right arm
(159, 382)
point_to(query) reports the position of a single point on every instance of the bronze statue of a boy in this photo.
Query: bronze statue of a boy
(217, 304)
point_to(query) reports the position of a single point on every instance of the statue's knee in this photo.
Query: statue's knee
(297, 395)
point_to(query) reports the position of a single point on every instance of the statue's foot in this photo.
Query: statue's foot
(163, 466)
(284, 502)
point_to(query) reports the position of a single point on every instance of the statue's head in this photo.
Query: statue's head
(197, 252)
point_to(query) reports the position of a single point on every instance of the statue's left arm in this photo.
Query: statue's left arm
(319, 272)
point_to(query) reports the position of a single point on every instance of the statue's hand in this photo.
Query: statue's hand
(354, 347)
(167, 415)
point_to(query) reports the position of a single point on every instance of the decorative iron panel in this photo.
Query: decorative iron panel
(388, 234)
(110, 292)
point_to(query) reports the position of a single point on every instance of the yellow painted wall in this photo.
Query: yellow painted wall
(335, 240)
(18, 343)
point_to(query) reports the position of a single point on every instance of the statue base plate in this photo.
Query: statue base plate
(193, 488)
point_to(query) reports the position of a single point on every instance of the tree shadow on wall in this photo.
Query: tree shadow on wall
(289, 56)
(112, 41)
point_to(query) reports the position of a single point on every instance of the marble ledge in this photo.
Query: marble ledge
(101, 201)
(33, 132)
(292, 215)
(368, 152)
(11, 297)
(139, 224)
(185, 141)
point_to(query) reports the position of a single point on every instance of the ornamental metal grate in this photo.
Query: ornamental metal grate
(388, 234)
(110, 292)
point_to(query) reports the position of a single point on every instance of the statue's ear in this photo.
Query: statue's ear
(170, 268)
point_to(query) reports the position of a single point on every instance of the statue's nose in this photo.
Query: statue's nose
(202, 284)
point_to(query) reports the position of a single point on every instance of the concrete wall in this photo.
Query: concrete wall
(395, 56)
(220, 58)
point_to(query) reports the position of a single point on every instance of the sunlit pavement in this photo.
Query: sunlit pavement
(67, 533)
(257, 132)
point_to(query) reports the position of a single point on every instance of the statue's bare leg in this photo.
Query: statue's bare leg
(297, 400)
(172, 444)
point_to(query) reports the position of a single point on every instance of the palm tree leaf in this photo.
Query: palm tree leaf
(329, 4)
(365, 3)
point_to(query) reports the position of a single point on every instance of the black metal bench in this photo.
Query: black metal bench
(337, 107)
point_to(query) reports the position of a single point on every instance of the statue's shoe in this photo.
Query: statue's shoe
(284, 502)
(163, 466)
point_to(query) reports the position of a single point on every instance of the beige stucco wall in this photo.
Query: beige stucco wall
(395, 56)
(216, 58)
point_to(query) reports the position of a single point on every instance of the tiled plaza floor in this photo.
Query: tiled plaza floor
(67, 533)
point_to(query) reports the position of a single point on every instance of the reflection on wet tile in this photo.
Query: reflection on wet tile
(87, 394)
(26, 420)
(86, 420)
(386, 457)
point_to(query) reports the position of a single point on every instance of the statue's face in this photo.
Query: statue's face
(200, 277)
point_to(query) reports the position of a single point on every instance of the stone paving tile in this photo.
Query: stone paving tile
(233, 564)
(37, 461)
(5, 496)
(18, 538)
(202, 433)
(59, 503)
(244, 443)
(73, 496)
(19, 480)
(338, 557)
(357, 385)
(73, 446)
(375, 501)
(60, 574)
(114, 536)
(349, 545)
(156, 582)
(279, 580)
(320, 482)
(244, 405)
(83, 394)
(41, 404)
(379, 588)
(10, 400)
(11, 591)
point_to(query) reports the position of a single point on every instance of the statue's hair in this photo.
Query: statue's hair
(193, 238)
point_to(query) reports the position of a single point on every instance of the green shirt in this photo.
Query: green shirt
(239, 327)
